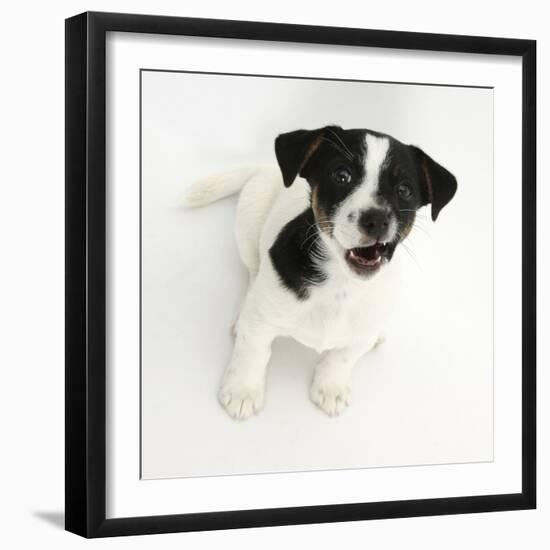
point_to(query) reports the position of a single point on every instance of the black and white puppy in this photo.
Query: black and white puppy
(318, 236)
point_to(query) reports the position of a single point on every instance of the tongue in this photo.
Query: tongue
(366, 256)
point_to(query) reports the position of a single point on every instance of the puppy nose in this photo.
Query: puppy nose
(375, 222)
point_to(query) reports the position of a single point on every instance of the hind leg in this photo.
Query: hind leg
(247, 239)
(255, 202)
(253, 207)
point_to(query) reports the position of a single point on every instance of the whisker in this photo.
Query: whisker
(316, 224)
(343, 151)
(424, 230)
(315, 252)
(341, 141)
(409, 251)
(312, 236)
(311, 227)
(321, 225)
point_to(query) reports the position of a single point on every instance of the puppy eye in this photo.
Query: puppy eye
(342, 176)
(404, 191)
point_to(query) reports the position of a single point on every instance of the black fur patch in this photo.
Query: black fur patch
(292, 254)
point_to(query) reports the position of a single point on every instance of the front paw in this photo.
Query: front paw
(332, 397)
(240, 400)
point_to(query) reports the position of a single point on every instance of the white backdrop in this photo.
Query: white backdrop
(424, 397)
(31, 222)
(127, 495)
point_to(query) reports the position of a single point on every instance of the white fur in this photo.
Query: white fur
(346, 230)
(215, 187)
(342, 319)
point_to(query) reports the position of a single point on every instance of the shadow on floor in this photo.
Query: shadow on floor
(57, 519)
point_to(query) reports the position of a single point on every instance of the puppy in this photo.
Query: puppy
(318, 236)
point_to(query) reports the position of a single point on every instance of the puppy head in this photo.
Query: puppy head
(365, 188)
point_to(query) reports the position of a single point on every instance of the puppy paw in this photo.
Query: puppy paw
(333, 398)
(241, 401)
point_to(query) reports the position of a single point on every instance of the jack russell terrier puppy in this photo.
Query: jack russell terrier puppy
(317, 237)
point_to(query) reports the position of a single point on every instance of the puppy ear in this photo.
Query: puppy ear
(293, 151)
(438, 184)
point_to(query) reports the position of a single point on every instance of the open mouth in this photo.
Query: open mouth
(366, 258)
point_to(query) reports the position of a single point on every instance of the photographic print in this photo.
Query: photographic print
(316, 274)
(294, 293)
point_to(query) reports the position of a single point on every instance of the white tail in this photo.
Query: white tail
(216, 187)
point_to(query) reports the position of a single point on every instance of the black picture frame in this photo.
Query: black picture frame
(85, 491)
